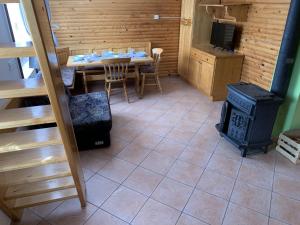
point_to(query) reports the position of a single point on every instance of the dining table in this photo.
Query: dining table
(80, 62)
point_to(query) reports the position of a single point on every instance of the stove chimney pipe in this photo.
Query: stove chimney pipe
(288, 51)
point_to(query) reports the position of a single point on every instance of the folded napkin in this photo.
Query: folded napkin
(140, 54)
(78, 58)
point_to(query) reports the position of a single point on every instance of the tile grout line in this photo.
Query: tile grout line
(45, 218)
(272, 189)
(113, 156)
(235, 181)
(121, 184)
(194, 189)
(164, 176)
(148, 197)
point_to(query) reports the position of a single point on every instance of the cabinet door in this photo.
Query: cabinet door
(187, 10)
(195, 69)
(206, 78)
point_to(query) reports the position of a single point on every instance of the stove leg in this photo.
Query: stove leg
(244, 152)
(265, 149)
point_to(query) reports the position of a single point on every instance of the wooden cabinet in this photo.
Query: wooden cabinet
(210, 71)
(185, 41)
(206, 68)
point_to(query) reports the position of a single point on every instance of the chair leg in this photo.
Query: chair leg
(105, 86)
(125, 91)
(143, 85)
(137, 79)
(109, 90)
(158, 83)
(85, 83)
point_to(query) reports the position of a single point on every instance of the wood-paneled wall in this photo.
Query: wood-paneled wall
(261, 39)
(100, 21)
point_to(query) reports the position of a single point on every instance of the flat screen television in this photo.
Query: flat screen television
(223, 35)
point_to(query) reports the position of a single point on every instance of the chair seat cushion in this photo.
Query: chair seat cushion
(91, 110)
(68, 75)
(147, 69)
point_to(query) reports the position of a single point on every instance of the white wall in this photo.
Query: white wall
(8, 71)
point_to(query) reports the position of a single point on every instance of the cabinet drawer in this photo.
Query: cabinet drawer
(198, 55)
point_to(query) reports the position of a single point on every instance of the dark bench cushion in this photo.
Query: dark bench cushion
(91, 119)
(91, 109)
(147, 69)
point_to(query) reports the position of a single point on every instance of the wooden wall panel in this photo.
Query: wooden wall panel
(100, 21)
(261, 39)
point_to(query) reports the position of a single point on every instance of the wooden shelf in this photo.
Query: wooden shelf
(9, 1)
(36, 174)
(12, 118)
(22, 88)
(22, 140)
(234, 12)
(42, 187)
(44, 198)
(16, 50)
(32, 158)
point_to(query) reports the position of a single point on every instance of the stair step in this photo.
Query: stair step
(13, 118)
(32, 158)
(22, 140)
(16, 50)
(22, 88)
(36, 174)
(46, 198)
(42, 187)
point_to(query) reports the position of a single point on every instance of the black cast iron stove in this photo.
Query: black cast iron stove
(248, 117)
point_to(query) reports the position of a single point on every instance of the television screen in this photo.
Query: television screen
(223, 35)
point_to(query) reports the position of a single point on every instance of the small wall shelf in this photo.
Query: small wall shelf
(227, 12)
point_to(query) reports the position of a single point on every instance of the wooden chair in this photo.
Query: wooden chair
(152, 71)
(115, 72)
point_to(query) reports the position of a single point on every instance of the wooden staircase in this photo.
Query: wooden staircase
(37, 166)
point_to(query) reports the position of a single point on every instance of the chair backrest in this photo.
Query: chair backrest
(156, 53)
(116, 69)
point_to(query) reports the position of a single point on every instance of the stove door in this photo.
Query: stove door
(238, 126)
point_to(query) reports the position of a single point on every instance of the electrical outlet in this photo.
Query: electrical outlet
(156, 17)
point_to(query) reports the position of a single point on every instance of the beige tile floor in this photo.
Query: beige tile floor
(167, 165)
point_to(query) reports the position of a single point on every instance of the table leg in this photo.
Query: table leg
(137, 79)
(85, 83)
